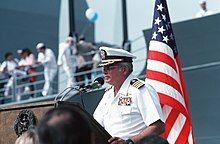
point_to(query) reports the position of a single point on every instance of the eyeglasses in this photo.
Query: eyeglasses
(109, 67)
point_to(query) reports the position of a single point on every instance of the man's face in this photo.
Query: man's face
(41, 50)
(10, 58)
(70, 42)
(112, 74)
(23, 55)
(203, 6)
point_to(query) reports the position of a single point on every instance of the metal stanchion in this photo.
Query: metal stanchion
(14, 86)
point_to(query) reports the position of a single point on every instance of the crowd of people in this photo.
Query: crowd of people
(78, 58)
(12, 68)
(75, 58)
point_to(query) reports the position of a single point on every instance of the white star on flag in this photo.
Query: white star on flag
(164, 17)
(154, 35)
(157, 21)
(161, 29)
(165, 38)
(160, 7)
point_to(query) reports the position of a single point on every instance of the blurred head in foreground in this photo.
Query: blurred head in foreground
(65, 125)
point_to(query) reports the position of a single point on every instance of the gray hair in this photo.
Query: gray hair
(128, 64)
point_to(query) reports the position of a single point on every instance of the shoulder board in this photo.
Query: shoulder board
(137, 83)
(108, 88)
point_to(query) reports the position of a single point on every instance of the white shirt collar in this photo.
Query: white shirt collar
(124, 88)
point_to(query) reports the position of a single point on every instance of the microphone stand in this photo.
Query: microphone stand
(67, 90)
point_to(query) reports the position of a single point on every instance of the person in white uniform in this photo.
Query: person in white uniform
(10, 68)
(203, 10)
(47, 58)
(129, 109)
(67, 59)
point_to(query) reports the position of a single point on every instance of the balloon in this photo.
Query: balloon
(91, 15)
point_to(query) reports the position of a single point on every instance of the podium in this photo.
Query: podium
(12, 120)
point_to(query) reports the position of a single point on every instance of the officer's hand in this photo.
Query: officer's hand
(116, 140)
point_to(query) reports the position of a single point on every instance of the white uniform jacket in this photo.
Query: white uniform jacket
(130, 111)
(50, 69)
(48, 60)
(66, 57)
(203, 13)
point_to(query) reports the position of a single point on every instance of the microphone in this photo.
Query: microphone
(98, 82)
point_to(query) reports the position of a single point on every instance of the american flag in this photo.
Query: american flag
(165, 75)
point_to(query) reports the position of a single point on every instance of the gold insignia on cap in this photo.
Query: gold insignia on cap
(103, 54)
(137, 83)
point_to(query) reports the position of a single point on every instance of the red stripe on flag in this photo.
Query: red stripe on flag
(171, 119)
(168, 100)
(182, 83)
(162, 77)
(178, 106)
(184, 133)
(159, 56)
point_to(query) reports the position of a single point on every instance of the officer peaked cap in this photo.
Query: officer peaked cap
(114, 55)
